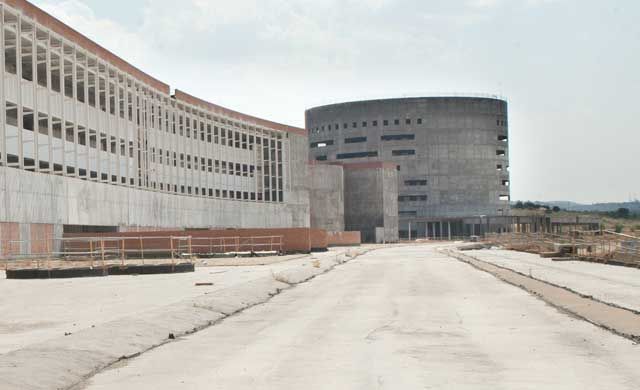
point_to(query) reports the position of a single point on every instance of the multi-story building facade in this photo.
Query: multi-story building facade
(88, 139)
(451, 152)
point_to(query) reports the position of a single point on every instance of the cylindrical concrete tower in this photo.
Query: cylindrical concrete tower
(452, 153)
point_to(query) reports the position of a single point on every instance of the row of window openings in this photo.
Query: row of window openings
(269, 183)
(353, 140)
(183, 126)
(11, 118)
(385, 122)
(342, 156)
(354, 125)
(388, 137)
(411, 198)
(211, 165)
(401, 152)
(93, 136)
(275, 196)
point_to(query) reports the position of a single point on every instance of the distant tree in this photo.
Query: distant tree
(623, 212)
(556, 209)
(518, 205)
(619, 228)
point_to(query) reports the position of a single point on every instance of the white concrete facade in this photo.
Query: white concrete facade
(85, 138)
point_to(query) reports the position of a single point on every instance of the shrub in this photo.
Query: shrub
(619, 227)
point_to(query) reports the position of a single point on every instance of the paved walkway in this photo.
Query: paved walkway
(398, 318)
(36, 310)
(607, 283)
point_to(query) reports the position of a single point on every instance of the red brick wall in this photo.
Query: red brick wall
(41, 238)
(343, 238)
(318, 239)
(9, 231)
(293, 239)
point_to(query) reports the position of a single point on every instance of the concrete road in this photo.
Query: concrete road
(32, 311)
(398, 318)
(608, 283)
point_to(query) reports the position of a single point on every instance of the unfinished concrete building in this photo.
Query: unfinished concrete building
(451, 155)
(90, 143)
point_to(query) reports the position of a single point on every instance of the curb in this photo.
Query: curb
(618, 320)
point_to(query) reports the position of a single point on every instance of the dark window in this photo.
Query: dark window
(321, 158)
(397, 137)
(364, 124)
(354, 140)
(407, 121)
(326, 143)
(408, 213)
(354, 124)
(419, 121)
(344, 125)
(337, 126)
(415, 182)
(356, 155)
(385, 122)
(396, 121)
(500, 153)
(502, 138)
(403, 152)
(375, 123)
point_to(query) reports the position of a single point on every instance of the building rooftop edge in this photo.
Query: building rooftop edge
(45, 19)
(187, 98)
(421, 97)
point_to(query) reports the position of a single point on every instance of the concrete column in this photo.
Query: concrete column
(449, 230)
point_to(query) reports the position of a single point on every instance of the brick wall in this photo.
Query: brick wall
(293, 239)
(343, 238)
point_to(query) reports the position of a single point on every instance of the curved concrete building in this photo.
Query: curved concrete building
(90, 143)
(452, 155)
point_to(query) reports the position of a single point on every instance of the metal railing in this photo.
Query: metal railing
(602, 246)
(104, 250)
(236, 245)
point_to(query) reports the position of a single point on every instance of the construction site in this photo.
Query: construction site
(153, 239)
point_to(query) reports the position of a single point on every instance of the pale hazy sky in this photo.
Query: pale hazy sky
(569, 68)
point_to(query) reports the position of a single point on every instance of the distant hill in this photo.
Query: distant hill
(633, 206)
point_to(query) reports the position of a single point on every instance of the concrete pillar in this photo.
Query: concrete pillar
(426, 230)
(449, 230)
(441, 230)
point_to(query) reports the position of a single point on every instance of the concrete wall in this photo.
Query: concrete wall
(389, 178)
(297, 198)
(327, 197)
(455, 145)
(371, 200)
(28, 197)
